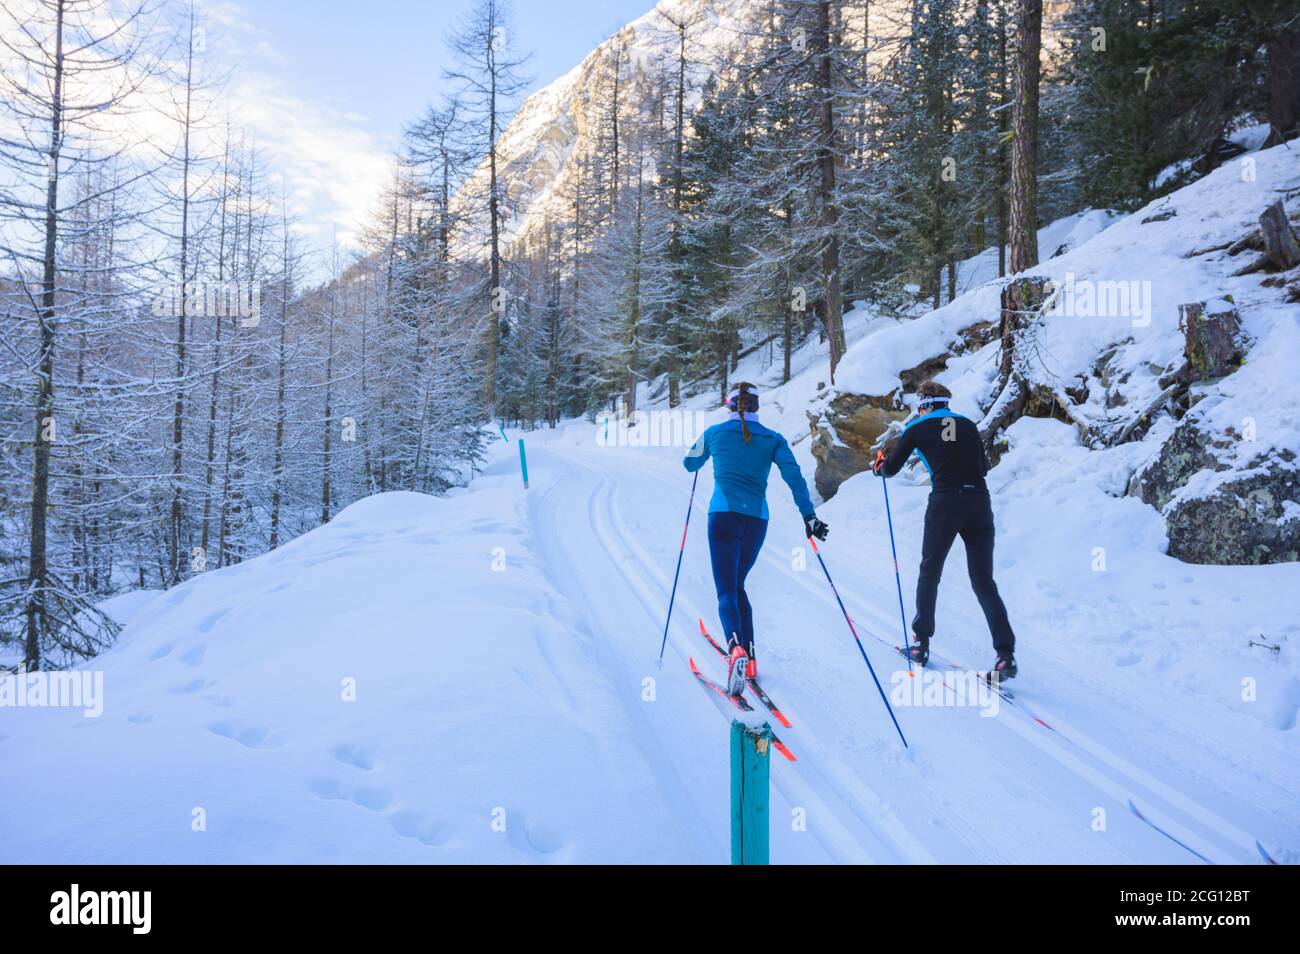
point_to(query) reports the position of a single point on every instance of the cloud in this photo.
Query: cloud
(333, 164)
(333, 167)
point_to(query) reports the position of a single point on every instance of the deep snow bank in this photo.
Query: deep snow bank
(400, 685)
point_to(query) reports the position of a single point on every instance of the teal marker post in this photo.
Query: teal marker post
(750, 793)
(523, 462)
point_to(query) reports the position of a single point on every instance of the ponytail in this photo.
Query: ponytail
(742, 402)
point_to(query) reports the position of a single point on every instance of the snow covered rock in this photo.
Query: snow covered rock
(1187, 451)
(1214, 512)
(1250, 519)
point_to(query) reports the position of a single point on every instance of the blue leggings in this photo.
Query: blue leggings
(734, 542)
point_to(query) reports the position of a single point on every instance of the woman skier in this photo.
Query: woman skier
(952, 450)
(743, 452)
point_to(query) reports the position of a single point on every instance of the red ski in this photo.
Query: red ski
(753, 683)
(740, 703)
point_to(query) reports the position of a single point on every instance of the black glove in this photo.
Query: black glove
(812, 527)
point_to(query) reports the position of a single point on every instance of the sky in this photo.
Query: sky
(326, 86)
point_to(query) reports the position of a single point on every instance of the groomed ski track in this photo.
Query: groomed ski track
(973, 789)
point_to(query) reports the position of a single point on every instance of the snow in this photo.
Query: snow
(476, 699)
(534, 690)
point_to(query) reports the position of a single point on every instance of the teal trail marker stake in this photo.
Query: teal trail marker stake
(523, 462)
(750, 793)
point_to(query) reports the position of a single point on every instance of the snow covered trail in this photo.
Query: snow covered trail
(591, 563)
(974, 789)
(390, 686)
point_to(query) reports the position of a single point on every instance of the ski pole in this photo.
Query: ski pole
(671, 599)
(852, 629)
(902, 614)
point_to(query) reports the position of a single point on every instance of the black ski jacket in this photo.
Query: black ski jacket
(950, 447)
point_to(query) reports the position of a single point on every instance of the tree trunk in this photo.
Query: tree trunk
(494, 211)
(1002, 184)
(1024, 142)
(325, 492)
(1210, 340)
(1283, 87)
(1021, 300)
(37, 567)
(675, 250)
(830, 258)
(277, 466)
(178, 411)
(210, 462)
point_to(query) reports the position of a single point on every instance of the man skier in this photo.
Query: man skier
(743, 453)
(952, 450)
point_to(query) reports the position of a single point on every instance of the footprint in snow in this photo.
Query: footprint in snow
(212, 619)
(356, 755)
(142, 718)
(194, 657)
(426, 831)
(374, 798)
(538, 837)
(163, 650)
(250, 736)
(194, 685)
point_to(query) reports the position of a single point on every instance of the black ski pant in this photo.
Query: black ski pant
(967, 513)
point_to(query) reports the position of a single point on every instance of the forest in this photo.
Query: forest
(185, 382)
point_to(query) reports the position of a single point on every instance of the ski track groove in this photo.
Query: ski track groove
(663, 765)
(882, 828)
(857, 797)
(1162, 802)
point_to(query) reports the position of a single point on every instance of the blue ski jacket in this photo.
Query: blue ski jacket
(740, 469)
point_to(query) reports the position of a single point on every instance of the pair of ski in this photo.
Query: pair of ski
(740, 702)
(988, 678)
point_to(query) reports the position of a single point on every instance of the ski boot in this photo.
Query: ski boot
(738, 663)
(920, 653)
(1005, 668)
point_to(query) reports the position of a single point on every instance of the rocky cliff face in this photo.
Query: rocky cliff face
(542, 148)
